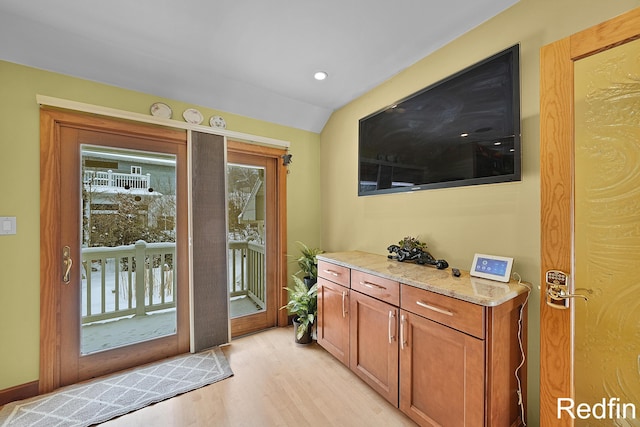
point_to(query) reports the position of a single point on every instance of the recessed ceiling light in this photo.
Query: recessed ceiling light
(464, 135)
(320, 75)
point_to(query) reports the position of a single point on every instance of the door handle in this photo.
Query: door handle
(557, 289)
(392, 316)
(560, 292)
(344, 312)
(403, 320)
(67, 263)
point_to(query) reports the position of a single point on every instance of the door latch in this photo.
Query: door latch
(557, 289)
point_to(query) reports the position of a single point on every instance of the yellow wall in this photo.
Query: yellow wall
(20, 193)
(456, 223)
(501, 219)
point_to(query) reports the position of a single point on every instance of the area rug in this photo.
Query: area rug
(103, 399)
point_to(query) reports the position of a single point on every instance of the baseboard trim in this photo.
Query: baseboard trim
(19, 392)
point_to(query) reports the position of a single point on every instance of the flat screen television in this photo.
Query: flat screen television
(463, 130)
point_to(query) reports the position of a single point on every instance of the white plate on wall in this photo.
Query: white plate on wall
(193, 116)
(160, 109)
(217, 122)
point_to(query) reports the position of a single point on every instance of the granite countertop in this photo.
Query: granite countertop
(472, 289)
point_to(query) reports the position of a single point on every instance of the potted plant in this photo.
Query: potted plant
(303, 305)
(308, 264)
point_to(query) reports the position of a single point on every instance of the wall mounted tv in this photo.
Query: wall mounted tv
(463, 130)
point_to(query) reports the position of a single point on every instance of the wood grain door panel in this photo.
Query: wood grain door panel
(556, 210)
(333, 319)
(442, 378)
(374, 344)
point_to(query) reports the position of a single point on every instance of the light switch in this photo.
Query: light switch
(8, 225)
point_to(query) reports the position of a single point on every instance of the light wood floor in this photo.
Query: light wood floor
(275, 383)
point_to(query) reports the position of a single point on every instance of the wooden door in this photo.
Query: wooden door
(442, 379)
(558, 237)
(333, 319)
(257, 236)
(77, 188)
(374, 344)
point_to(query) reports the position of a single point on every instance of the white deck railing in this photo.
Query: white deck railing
(115, 279)
(247, 271)
(117, 179)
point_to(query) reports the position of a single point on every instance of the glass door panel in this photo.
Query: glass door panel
(128, 234)
(607, 232)
(247, 240)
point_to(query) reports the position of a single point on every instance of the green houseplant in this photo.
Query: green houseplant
(308, 264)
(303, 305)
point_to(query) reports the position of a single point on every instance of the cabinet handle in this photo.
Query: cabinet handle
(436, 309)
(372, 285)
(344, 294)
(333, 273)
(403, 320)
(392, 316)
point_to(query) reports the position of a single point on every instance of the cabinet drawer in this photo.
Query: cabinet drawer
(375, 286)
(461, 315)
(335, 273)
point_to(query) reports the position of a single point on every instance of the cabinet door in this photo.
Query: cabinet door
(442, 378)
(333, 319)
(374, 344)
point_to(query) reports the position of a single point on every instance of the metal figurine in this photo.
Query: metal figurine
(411, 249)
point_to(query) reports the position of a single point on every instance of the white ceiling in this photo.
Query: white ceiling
(255, 58)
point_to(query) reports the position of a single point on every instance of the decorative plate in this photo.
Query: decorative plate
(193, 116)
(160, 109)
(217, 122)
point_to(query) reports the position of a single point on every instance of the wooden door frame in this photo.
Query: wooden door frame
(50, 220)
(556, 204)
(280, 275)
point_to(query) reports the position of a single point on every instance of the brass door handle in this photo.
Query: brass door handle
(67, 263)
(560, 292)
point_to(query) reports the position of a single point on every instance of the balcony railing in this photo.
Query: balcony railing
(117, 179)
(126, 275)
(115, 279)
(247, 271)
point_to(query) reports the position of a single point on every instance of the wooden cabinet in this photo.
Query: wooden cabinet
(458, 360)
(335, 273)
(443, 361)
(333, 310)
(442, 374)
(460, 315)
(442, 366)
(377, 287)
(374, 344)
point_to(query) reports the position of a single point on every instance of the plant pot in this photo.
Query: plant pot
(306, 338)
(309, 281)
